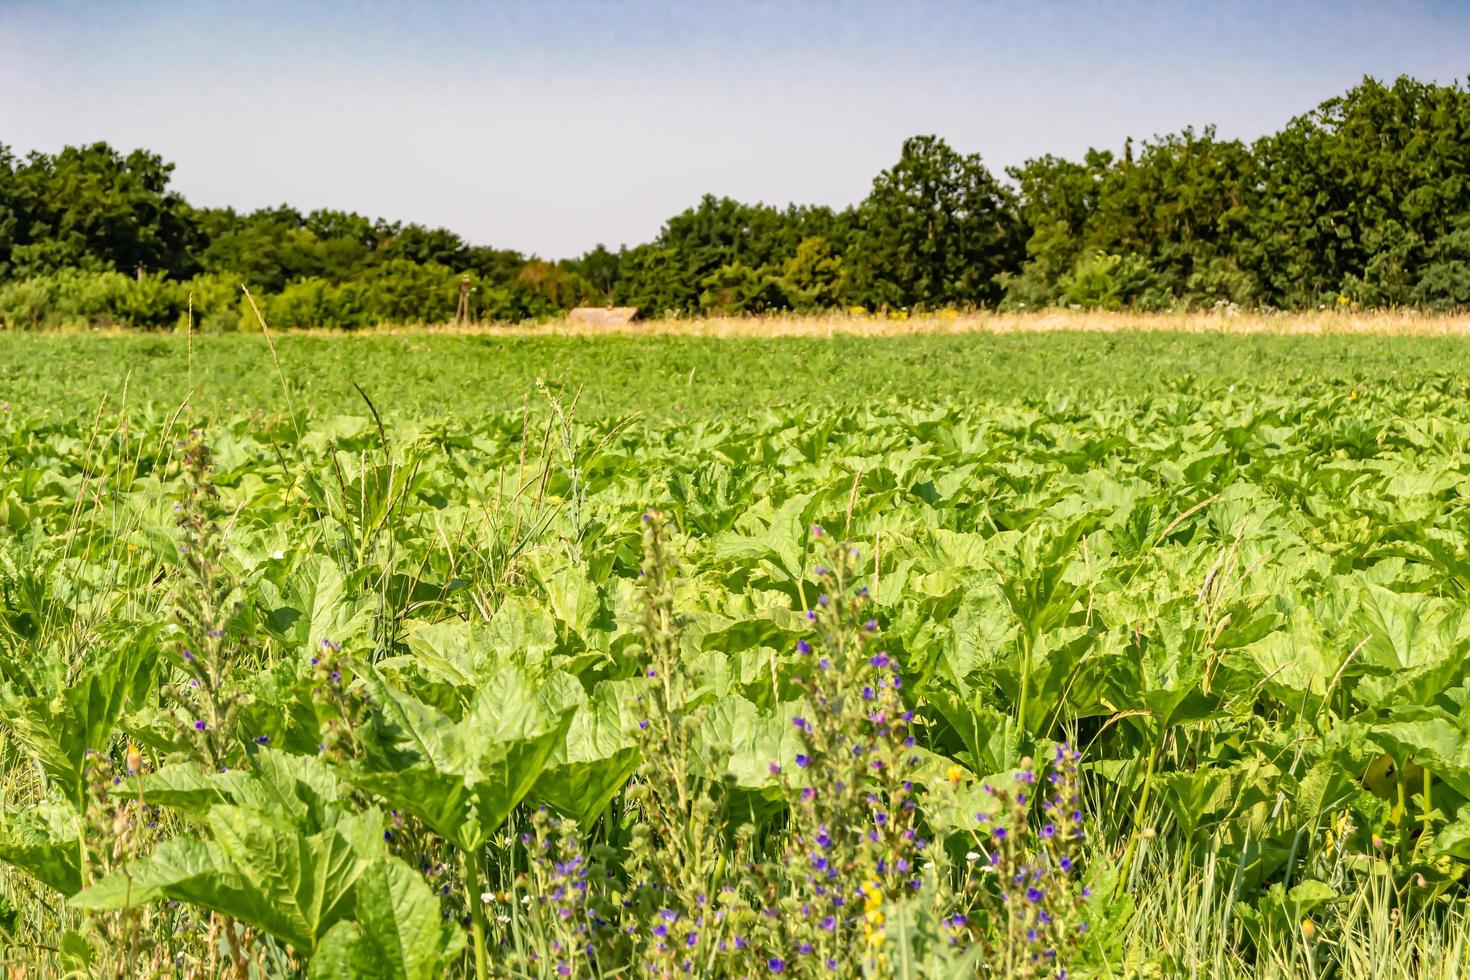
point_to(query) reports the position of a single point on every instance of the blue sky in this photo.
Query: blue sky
(552, 126)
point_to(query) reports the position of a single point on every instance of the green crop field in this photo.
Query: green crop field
(1043, 654)
(422, 376)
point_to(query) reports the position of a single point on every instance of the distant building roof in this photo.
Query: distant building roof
(603, 316)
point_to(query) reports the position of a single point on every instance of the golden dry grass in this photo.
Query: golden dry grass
(834, 324)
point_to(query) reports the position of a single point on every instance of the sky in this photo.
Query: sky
(553, 126)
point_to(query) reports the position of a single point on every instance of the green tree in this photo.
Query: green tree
(1355, 194)
(937, 229)
(737, 288)
(419, 244)
(814, 277)
(1058, 198)
(1444, 281)
(9, 215)
(600, 268)
(94, 206)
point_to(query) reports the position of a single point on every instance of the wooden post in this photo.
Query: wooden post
(462, 314)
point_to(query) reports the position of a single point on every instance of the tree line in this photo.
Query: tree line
(1363, 200)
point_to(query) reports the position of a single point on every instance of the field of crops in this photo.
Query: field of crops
(1026, 655)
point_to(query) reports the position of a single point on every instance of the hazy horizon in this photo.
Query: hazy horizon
(550, 128)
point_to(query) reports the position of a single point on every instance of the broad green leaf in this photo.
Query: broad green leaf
(315, 607)
(399, 933)
(462, 779)
(589, 766)
(59, 730)
(291, 885)
(43, 842)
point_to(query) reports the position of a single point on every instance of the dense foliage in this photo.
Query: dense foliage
(1363, 200)
(1153, 680)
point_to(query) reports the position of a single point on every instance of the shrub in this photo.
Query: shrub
(215, 300)
(26, 304)
(149, 301)
(1103, 281)
(409, 292)
(315, 302)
